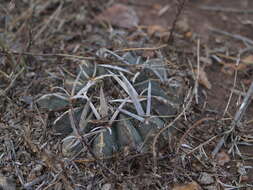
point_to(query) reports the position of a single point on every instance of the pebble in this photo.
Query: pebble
(205, 178)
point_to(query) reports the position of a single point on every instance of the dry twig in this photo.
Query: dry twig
(196, 124)
(235, 36)
(180, 8)
(237, 119)
(225, 9)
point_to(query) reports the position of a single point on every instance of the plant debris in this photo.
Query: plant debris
(93, 95)
(120, 15)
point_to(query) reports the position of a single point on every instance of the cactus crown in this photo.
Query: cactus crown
(114, 105)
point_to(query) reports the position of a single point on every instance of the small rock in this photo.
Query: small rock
(183, 24)
(6, 183)
(205, 178)
(189, 186)
(211, 187)
(106, 186)
(222, 158)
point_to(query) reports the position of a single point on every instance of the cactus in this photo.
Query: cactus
(116, 106)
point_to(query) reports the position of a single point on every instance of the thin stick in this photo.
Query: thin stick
(54, 15)
(233, 59)
(180, 8)
(167, 127)
(235, 36)
(237, 119)
(231, 93)
(46, 55)
(197, 123)
(142, 48)
(225, 9)
(202, 144)
(246, 101)
(85, 144)
(197, 77)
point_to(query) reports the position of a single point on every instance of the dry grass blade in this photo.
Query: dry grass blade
(129, 89)
(53, 16)
(91, 82)
(121, 83)
(58, 95)
(73, 122)
(103, 76)
(14, 78)
(69, 138)
(117, 56)
(133, 95)
(166, 101)
(74, 141)
(116, 113)
(60, 117)
(135, 76)
(103, 104)
(95, 71)
(138, 61)
(75, 83)
(128, 100)
(116, 68)
(148, 109)
(158, 70)
(84, 73)
(84, 90)
(93, 108)
(132, 115)
(62, 89)
(84, 119)
(158, 75)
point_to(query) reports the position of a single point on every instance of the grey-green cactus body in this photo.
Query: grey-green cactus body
(122, 106)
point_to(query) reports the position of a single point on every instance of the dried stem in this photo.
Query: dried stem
(180, 8)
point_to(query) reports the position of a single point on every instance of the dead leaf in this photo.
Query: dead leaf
(157, 6)
(203, 78)
(190, 186)
(244, 179)
(247, 81)
(207, 61)
(163, 10)
(151, 30)
(222, 158)
(230, 68)
(148, 54)
(188, 35)
(183, 25)
(248, 59)
(120, 15)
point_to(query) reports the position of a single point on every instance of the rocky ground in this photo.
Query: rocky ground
(205, 47)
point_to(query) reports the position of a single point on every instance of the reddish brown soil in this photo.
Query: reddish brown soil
(199, 21)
